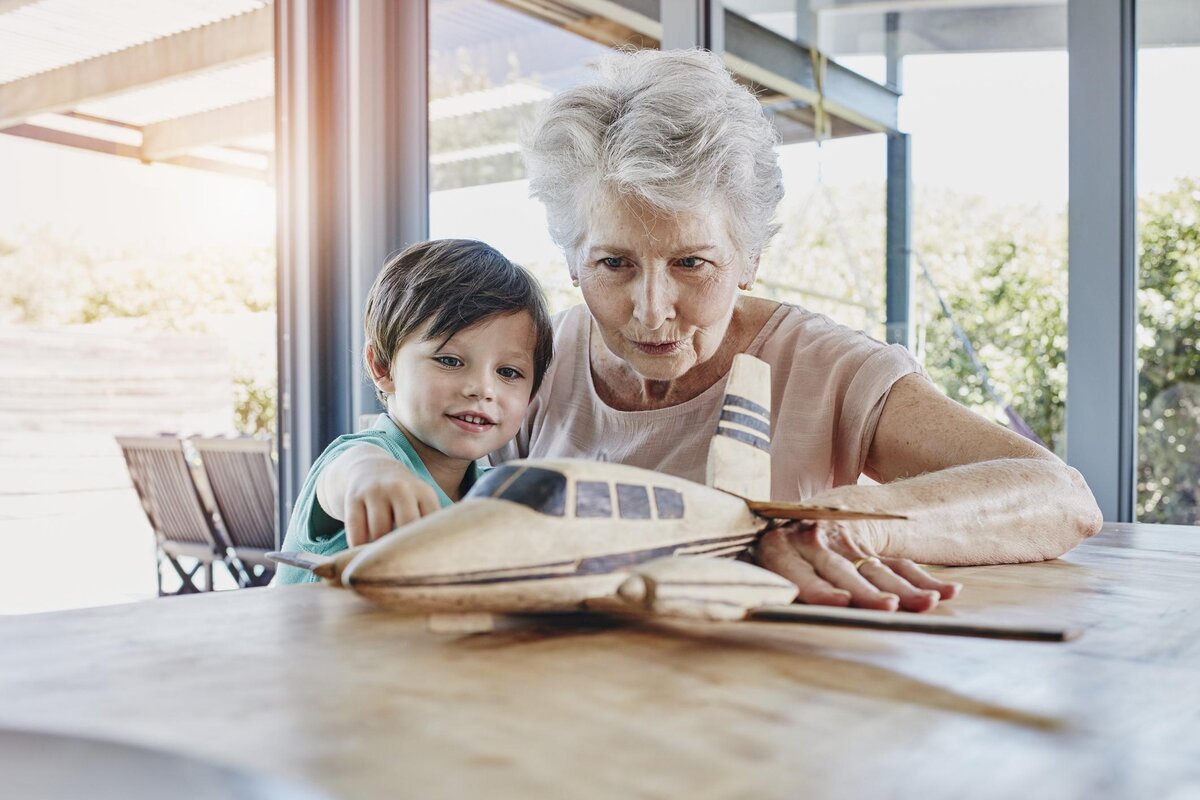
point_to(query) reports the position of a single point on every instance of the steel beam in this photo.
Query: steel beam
(772, 62)
(778, 63)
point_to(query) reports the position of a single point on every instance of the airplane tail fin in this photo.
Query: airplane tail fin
(739, 458)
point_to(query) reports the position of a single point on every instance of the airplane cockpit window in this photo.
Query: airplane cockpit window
(669, 502)
(633, 502)
(593, 499)
(491, 481)
(543, 490)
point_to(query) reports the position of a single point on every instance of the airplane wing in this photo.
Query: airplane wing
(322, 566)
(784, 510)
(723, 589)
(908, 621)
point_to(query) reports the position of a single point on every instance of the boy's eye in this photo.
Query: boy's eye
(448, 361)
(510, 373)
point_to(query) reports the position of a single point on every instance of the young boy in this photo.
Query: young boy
(458, 339)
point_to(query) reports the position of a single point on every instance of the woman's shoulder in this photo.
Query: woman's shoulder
(794, 327)
(800, 338)
(570, 325)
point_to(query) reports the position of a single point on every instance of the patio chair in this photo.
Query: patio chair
(183, 526)
(241, 476)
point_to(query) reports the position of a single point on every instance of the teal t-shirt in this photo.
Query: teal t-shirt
(311, 530)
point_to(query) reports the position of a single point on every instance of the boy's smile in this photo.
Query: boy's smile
(459, 399)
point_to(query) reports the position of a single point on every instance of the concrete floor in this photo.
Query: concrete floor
(72, 532)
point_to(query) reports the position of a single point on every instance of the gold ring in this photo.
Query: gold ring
(858, 562)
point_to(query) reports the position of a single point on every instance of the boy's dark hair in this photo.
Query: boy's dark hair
(452, 284)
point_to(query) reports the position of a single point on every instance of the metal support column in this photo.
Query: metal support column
(899, 240)
(1102, 280)
(693, 23)
(350, 138)
(898, 279)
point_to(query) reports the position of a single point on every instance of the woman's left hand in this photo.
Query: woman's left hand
(834, 564)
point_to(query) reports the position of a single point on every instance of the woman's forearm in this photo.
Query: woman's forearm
(991, 512)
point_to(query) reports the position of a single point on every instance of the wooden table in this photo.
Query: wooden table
(312, 683)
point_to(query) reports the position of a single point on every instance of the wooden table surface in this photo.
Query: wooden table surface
(314, 684)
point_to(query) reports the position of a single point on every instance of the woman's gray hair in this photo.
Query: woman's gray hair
(671, 128)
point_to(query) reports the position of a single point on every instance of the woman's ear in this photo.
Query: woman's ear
(748, 274)
(379, 373)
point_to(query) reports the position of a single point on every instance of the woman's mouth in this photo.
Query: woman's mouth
(472, 423)
(658, 348)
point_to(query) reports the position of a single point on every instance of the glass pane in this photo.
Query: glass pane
(669, 503)
(490, 69)
(593, 499)
(491, 481)
(829, 253)
(540, 489)
(986, 108)
(633, 502)
(1168, 183)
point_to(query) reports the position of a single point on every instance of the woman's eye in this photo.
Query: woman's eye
(448, 361)
(691, 262)
(510, 373)
(612, 262)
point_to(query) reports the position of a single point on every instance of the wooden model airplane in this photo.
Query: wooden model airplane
(550, 535)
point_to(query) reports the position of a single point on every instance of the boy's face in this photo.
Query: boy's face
(464, 397)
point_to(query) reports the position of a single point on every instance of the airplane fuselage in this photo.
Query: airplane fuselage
(548, 534)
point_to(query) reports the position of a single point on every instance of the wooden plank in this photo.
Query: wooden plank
(329, 690)
(12, 5)
(174, 137)
(228, 42)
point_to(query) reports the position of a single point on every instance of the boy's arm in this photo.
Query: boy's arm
(373, 493)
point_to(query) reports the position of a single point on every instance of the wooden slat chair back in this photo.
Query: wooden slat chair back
(241, 476)
(183, 525)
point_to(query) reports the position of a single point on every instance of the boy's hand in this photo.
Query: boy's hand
(382, 495)
(373, 494)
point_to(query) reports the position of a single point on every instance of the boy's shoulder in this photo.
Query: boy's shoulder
(382, 433)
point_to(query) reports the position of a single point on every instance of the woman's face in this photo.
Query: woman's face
(661, 287)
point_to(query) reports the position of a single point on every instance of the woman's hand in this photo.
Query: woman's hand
(834, 564)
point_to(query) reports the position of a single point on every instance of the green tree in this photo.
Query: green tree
(1168, 358)
(1013, 309)
(1014, 316)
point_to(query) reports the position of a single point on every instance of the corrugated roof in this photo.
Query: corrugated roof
(48, 34)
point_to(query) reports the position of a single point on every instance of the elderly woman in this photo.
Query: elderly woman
(660, 181)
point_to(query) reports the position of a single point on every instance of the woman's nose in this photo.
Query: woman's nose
(653, 301)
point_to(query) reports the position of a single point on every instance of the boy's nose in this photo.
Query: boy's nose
(480, 387)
